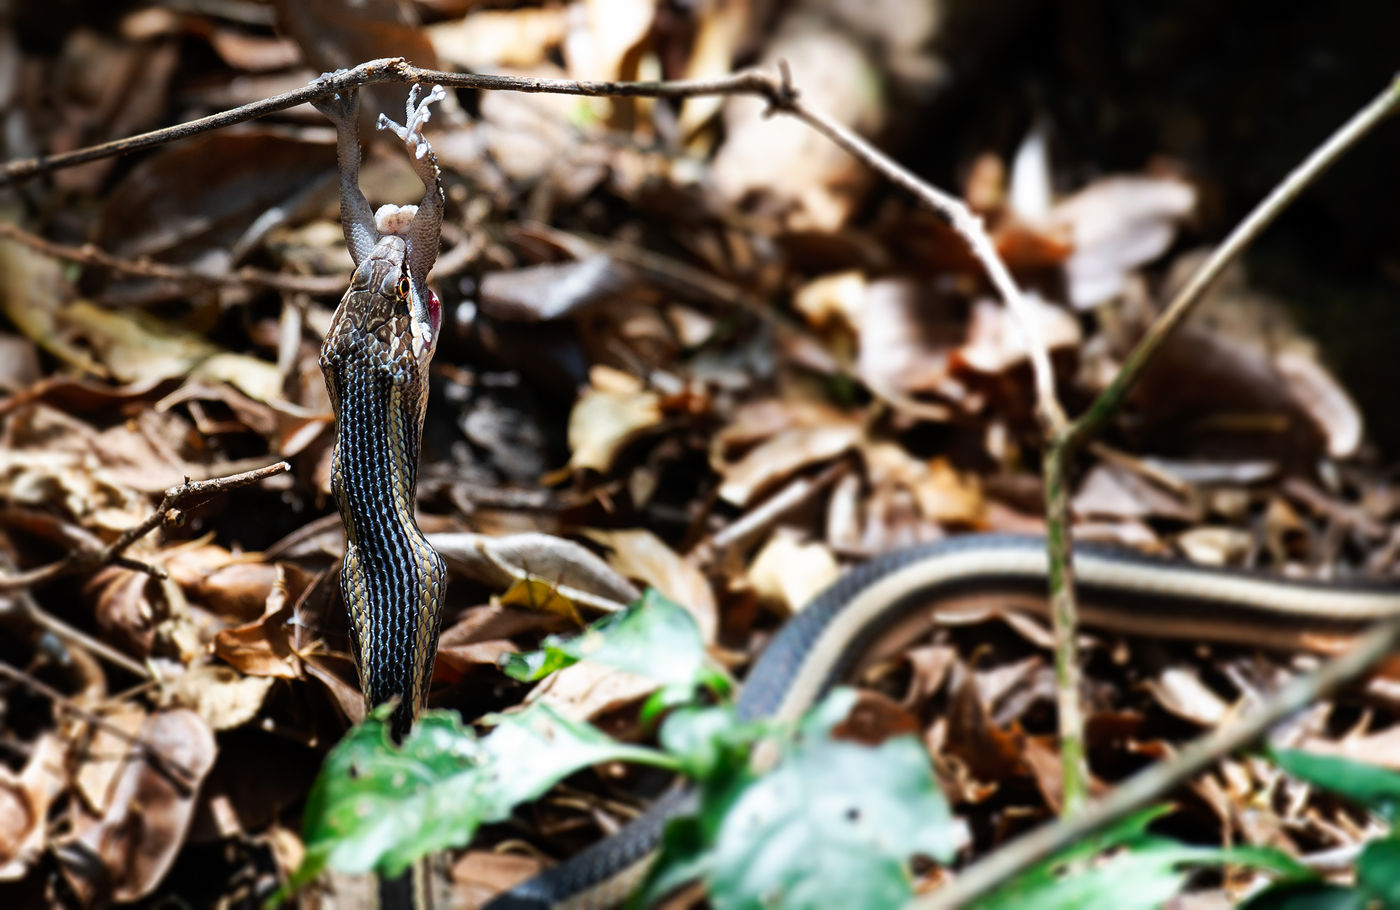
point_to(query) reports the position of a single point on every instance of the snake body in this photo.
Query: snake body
(883, 605)
(375, 361)
(392, 579)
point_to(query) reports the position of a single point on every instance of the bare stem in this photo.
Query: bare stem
(187, 495)
(181, 775)
(89, 254)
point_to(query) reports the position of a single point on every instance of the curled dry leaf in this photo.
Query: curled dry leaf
(1118, 224)
(788, 573)
(24, 805)
(263, 648)
(1181, 691)
(642, 555)
(222, 696)
(996, 341)
(782, 456)
(611, 414)
(1324, 400)
(145, 818)
(499, 562)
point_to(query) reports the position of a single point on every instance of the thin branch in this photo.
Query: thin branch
(190, 494)
(1160, 779)
(181, 775)
(389, 69)
(963, 220)
(89, 254)
(780, 94)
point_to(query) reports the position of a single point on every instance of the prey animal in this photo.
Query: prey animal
(375, 360)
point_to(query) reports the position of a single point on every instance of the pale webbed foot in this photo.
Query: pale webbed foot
(426, 221)
(417, 114)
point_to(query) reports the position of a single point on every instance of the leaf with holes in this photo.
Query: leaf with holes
(833, 825)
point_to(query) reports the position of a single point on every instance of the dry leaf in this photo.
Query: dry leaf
(783, 455)
(1323, 399)
(144, 822)
(1181, 691)
(907, 332)
(789, 574)
(586, 690)
(572, 569)
(24, 805)
(1118, 224)
(222, 696)
(779, 159)
(489, 40)
(996, 341)
(603, 421)
(137, 348)
(642, 555)
(540, 293)
(480, 875)
(835, 299)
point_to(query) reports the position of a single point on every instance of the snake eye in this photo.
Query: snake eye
(403, 286)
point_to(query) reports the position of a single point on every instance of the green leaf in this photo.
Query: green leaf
(380, 806)
(710, 741)
(1145, 875)
(1378, 871)
(833, 825)
(1375, 788)
(654, 637)
(1147, 872)
(1307, 896)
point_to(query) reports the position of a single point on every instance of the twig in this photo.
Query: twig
(175, 770)
(89, 254)
(187, 495)
(961, 218)
(780, 93)
(74, 636)
(1159, 779)
(389, 69)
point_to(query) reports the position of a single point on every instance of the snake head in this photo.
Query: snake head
(424, 309)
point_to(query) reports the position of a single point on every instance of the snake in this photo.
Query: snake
(375, 360)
